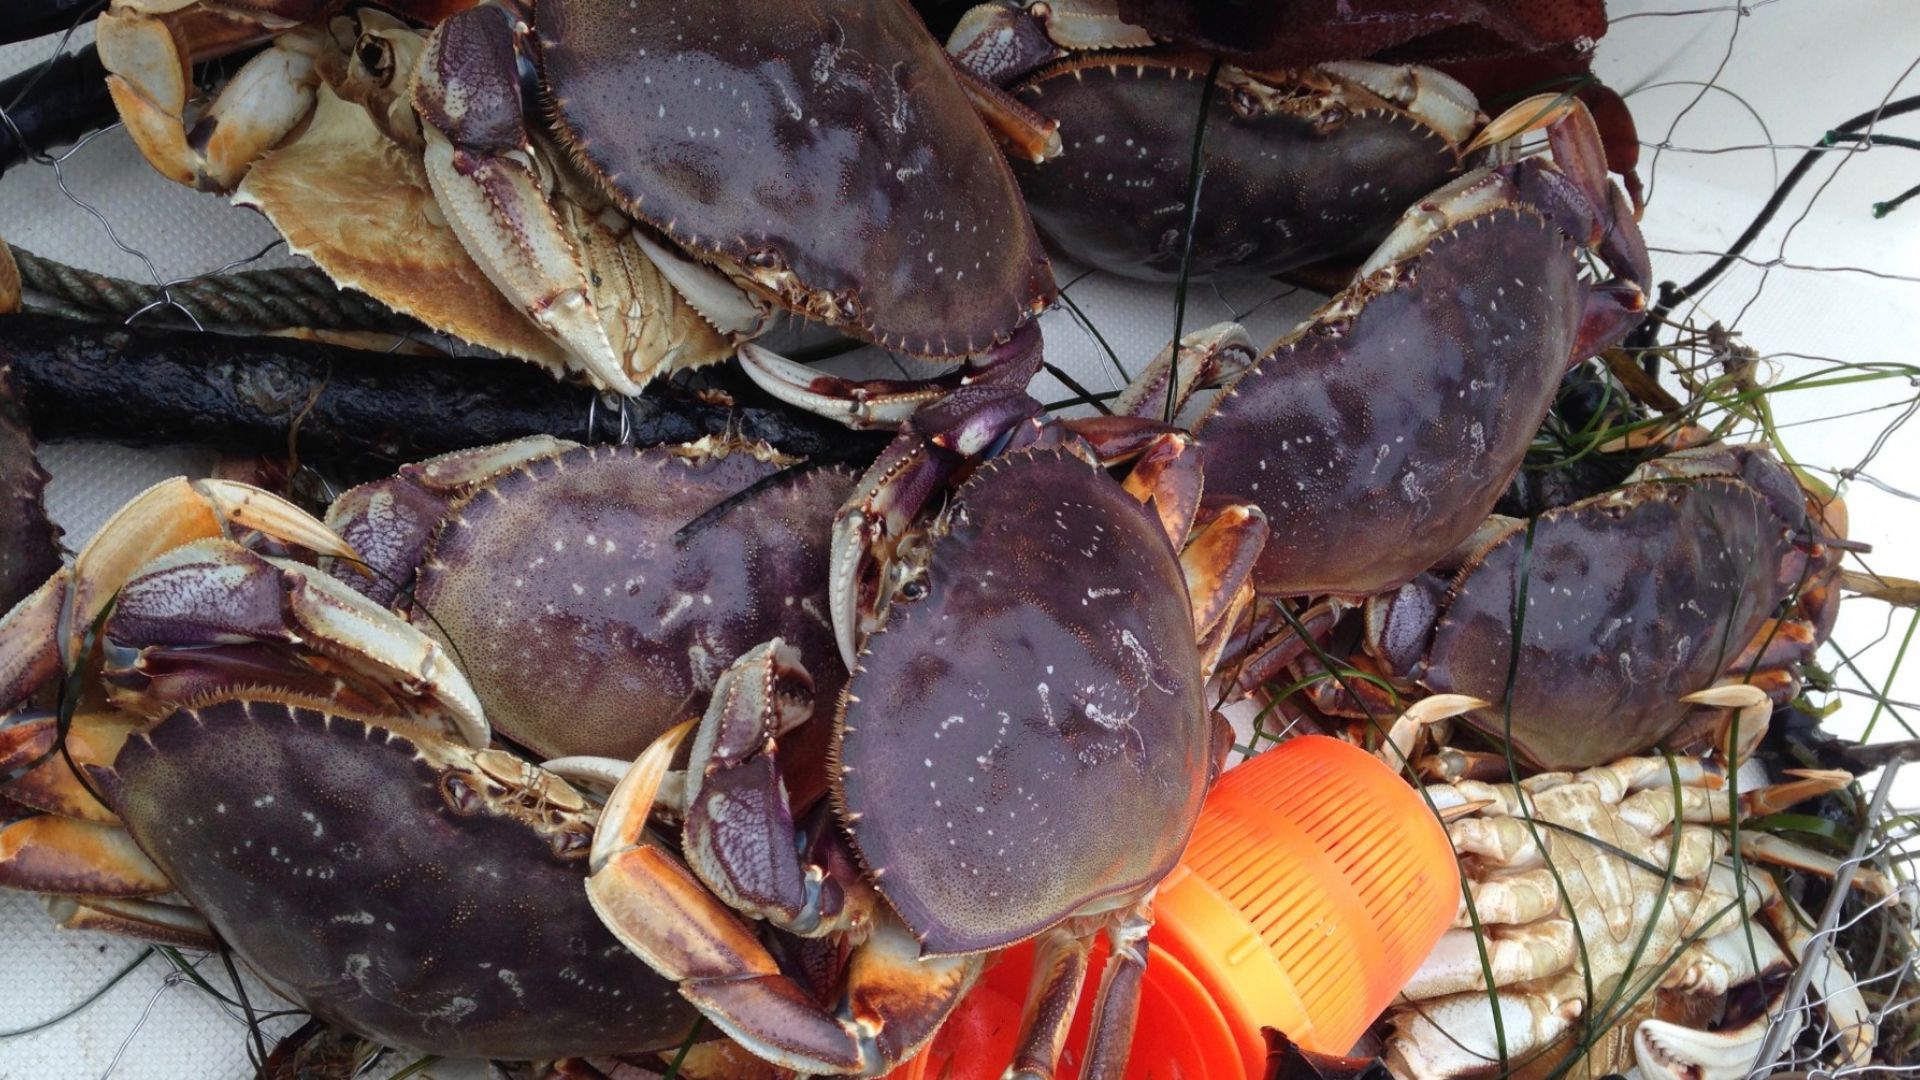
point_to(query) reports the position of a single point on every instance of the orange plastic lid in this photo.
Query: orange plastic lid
(1316, 883)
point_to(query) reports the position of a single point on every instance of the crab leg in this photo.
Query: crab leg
(1217, 354)
(894, 999)
(1515, 954)
(61, 855)
(877, 403)
(1116, 1006)
(1020, 130)
(50, 786)
(1832, 985)
(1766, 847)
(1271, 656)
(147, 920)
(1060, 958)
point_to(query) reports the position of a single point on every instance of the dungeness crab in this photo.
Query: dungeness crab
(595, 593)
(313, 776)
(1301, 164)
(703, 163)
(1409, 400)
(1021, 752)
(1709, 563)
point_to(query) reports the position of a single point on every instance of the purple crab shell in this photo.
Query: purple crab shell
(1030, 737)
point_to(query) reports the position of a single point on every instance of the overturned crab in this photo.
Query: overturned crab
(1623, 926)
(312, 776)
(1033, 636)
(1301, 164)
(703, 165)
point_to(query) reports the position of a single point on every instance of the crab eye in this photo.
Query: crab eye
(1330, 117)
(766, 258)
(913, 590)
(376, 55)
(1334, 329)
(570, 844)
(1244, 102)
(461, 797)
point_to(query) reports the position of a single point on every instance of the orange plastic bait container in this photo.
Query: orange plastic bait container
(1316, 882)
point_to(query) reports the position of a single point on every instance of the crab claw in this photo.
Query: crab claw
(1575, 193)
(262, 603)
(741, 837)
(1748, 723)
(1433, 96)
(870, 532)
(625, 815)
(1536, 113)
(47, 631)
(480, 162)
(1002, 42)
(1396, 751)
(30, 640)
(150, 56)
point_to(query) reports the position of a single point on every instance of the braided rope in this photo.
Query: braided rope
(249, 299)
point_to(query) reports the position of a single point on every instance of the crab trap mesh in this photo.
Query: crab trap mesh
(1775, 145)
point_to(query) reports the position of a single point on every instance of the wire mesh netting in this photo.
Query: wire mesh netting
(1775, 170)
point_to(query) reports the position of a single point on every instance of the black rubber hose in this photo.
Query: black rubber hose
(57, 102)
(360, 413)
(29, 19)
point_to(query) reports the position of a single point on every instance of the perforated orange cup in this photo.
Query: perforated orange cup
(1316, 882)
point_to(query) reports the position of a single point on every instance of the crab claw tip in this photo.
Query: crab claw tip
(623, 821)
(1429, 710)
(1535, 113)
(1732, 696)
